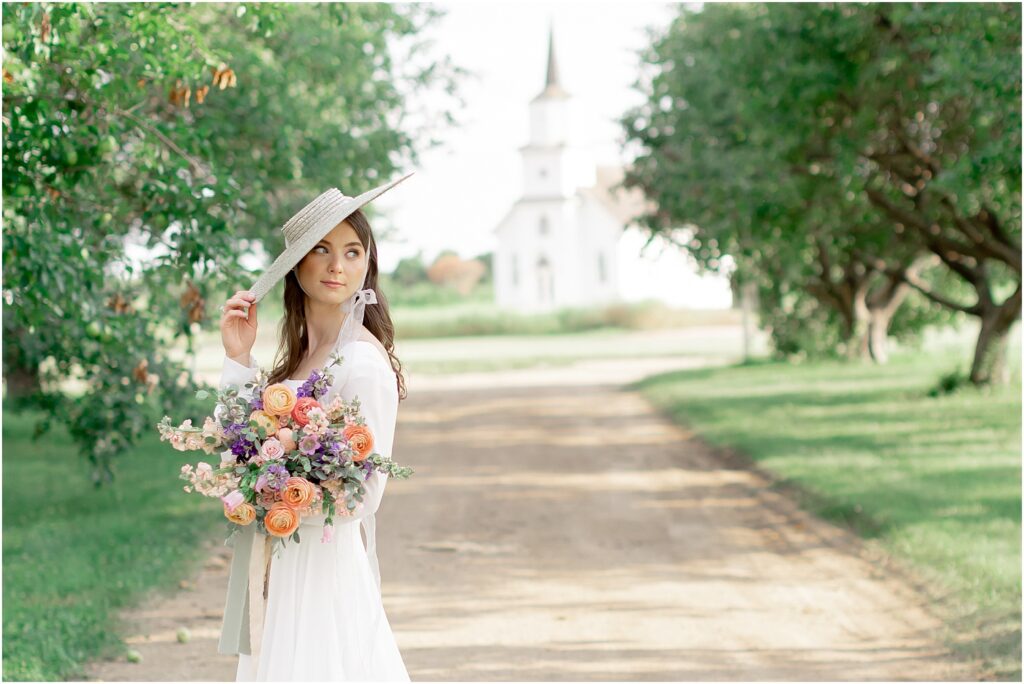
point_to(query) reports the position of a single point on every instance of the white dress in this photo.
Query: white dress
(325, 619)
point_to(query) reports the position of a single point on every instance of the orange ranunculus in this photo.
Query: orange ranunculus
(298, 492)
(281, 520)
(278, 399)
(265, 421)
(301, 408)
(361, 439)
(243, 514)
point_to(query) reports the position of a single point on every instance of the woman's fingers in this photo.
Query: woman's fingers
(241, 301)
(237, 301)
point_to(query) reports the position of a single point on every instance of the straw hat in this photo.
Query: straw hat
(309, 226)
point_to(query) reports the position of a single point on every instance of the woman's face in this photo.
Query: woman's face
(334, 268)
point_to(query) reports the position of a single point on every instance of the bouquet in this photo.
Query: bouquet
(283, 454)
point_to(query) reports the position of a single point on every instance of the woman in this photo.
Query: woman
(317, 614)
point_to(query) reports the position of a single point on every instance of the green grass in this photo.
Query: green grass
(934, 482)
(75, 555)
(477, 318)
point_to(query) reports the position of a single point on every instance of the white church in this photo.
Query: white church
(567, 241)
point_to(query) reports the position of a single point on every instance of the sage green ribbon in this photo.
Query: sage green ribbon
(234, 635)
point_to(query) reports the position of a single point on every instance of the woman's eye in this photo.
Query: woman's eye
(353, 251)
(320, 247)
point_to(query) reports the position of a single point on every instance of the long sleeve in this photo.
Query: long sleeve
(374, 384)
(234, 373)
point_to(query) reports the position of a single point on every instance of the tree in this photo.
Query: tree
(759, 130)
(410, 271)
(450, 270)
(185, 127)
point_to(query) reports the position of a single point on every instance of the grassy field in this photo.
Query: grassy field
(74, 555)
(477, 318)
(934, 482)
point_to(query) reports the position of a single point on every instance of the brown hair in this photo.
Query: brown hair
(377, 317)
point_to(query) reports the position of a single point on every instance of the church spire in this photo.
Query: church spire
(552, 64)
(552, 88)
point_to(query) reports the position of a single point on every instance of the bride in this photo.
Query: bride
(313, 610)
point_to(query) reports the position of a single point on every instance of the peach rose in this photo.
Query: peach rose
(265, 421)
(281, 520)
(287, 439)
(301, 408)
(298, 492)
(243, 514)
(361, 439)
(267, 498)
(278, 399)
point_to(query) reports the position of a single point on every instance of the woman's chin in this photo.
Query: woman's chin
(329, 295)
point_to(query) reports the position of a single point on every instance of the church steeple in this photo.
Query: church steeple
(552, 64)
(552, 88)
(550, 164)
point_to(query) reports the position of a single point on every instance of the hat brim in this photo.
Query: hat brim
(295, 251)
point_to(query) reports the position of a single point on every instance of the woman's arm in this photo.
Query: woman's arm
(234, 373)
(378, 398)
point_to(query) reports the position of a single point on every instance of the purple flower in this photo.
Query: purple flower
(308, 388)
(309, 444)
(273, 477)
(233, 430)
(243, 449)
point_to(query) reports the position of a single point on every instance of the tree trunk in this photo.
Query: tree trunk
(21, 375)
(882, 305)
(21, 382)
(857, 347)
(989, 364)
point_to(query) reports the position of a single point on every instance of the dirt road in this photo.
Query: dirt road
(566, 532)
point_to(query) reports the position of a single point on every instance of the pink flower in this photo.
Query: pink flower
(271, 449)
(328, 534)
(232, 500)
(204, 470)
(309, 444)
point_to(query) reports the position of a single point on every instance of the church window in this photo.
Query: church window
(545, 281)
(543, 226)
(542, 172)
(602, 273)
(515, 270)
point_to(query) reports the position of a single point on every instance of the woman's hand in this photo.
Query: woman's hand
(238, 326)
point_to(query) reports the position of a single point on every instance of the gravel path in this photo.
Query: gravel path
(558, 529)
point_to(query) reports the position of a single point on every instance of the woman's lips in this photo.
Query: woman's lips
(331, 285)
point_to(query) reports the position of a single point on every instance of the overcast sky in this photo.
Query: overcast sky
(463, 188)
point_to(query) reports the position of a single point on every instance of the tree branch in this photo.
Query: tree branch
(196, 165)
(997, 250)
(915, 282)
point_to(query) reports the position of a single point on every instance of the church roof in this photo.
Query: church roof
(552, 88)
(626, 205)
